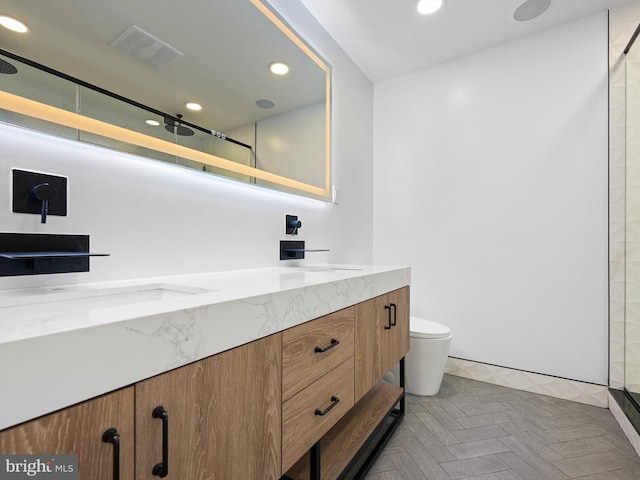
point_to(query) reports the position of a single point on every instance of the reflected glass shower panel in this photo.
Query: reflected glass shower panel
(28, 80)
(102, 107)
(632, 268)
(208, 143)
(34, 84)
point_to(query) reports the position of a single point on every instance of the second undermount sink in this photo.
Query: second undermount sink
(54, 302)
(330, 269)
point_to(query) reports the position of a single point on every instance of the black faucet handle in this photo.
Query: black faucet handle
(44, 192)
(292, 224)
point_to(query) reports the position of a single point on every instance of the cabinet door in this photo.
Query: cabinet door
(370, 344)
(78, 430)
(224, 416)
(382, 337)
(398, 337)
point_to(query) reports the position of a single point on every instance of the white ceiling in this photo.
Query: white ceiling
(388, 38)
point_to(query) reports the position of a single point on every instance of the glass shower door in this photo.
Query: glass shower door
(632, 268)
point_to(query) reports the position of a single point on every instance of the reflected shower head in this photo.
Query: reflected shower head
(174, 126)
(7, 68)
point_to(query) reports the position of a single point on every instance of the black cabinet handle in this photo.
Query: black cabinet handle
(334, 401)
(388, 325)
(395, 314)
(333, 343)
(162, 469)
(111, 436)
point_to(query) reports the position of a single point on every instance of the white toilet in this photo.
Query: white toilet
(427, 358)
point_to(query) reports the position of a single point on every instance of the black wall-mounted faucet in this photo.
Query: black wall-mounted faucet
(40, 253)
(292, 224)
(45, 193)
(39, 193)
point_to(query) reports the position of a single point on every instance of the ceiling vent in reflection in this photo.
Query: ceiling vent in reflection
(145, 46)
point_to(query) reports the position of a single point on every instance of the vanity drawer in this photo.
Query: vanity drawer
(302, 426)
(302, 363)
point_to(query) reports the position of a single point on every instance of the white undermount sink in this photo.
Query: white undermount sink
(54, 302)
(329, 269)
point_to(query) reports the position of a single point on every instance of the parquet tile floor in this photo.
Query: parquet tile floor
(478, 431)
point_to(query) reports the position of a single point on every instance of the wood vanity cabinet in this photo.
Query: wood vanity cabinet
(224, 416)
(317, 380)
(79, 430)
(252, 412)
(375, 350)
(381, 336)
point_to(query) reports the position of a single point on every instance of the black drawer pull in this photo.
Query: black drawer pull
(334, 401)
(162, 469)
(388, 325)
(395, 314)
(333, 343)
(112, 436)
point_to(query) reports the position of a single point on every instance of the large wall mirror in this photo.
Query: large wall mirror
(155, 56)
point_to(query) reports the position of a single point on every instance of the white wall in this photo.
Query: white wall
(491, 182)
(156, 219)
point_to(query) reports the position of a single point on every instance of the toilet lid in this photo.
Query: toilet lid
(423, 328)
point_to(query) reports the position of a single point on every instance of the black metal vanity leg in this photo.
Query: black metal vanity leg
(402, 384)
(314, 455)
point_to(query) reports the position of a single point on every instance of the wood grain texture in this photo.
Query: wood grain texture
(343, 441)
(301, 365)
(224, 416)
(370, 337)
(301, 428)
(399, 338)
(78, 430)
(377, 349)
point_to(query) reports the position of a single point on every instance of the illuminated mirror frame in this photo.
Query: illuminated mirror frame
(65, 118)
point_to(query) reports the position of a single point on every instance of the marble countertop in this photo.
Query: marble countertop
(63, 345)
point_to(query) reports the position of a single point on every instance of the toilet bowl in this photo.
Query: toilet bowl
(427, 357)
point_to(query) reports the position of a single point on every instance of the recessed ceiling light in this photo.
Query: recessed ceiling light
(279, 68)
(196, 107)
(13, 24)
(264, 103)
(153, 123)
(427, 7)
(530, 10)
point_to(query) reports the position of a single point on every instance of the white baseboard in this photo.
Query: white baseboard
(531, 382)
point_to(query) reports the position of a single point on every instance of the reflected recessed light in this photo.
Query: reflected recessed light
(13, 24)
(196, 107)
(427, 7)
(279, 68)
(530, 10)
(264, 103)
(153, 123)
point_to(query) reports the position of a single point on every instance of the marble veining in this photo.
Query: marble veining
(50, 361)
